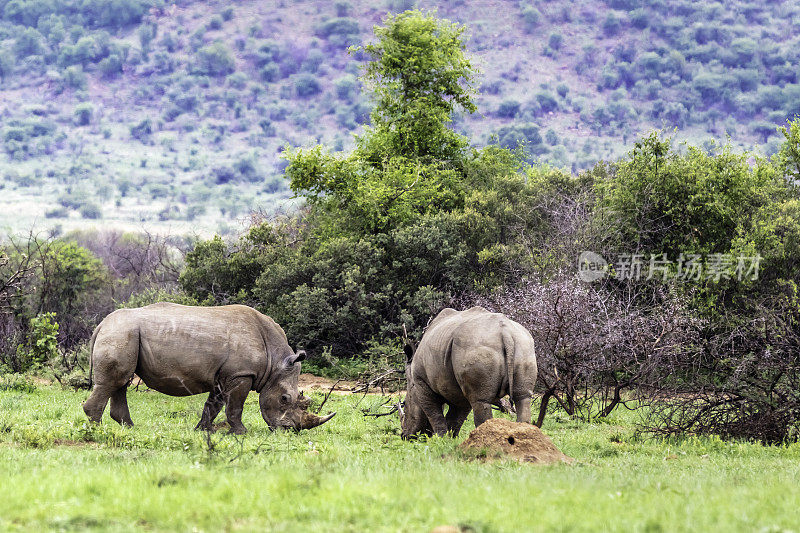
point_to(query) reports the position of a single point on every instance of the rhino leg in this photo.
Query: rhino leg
(432, 405)
(114, 361)
(211, 409)
(96, 403)
(119, 407)
(236, 394)
(483, 412)
(456, 415)
(523, 405)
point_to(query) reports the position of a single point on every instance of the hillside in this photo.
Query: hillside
(137, 113)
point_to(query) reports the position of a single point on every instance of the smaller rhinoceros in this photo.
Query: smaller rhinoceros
(468, 360)
(181, 350)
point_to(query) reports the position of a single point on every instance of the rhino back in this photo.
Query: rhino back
(433, 362)
(183, 350)
(465, 351)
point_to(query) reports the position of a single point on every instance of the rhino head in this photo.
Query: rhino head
(282, 406)
(412, 419)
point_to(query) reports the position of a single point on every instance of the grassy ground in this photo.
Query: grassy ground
(355, 474)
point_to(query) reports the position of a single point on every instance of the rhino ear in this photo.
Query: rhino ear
(409, 351)
(296, 358)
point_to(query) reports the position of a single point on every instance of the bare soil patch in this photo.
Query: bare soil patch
(312, 382)
(517, 440)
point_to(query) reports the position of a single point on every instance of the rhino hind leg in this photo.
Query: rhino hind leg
(211, 409)
(483, 412)
(96, 403)
(119, 407)
(523, 405)
(235, 395)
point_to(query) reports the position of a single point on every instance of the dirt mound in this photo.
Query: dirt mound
(523, 442)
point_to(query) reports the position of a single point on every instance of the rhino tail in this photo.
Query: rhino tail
(508, 353)
(91, 354)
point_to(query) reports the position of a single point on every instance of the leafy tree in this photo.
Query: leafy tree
(789, 155)
(420, 77)
(693, 203)
(393, 228)
(28, 43)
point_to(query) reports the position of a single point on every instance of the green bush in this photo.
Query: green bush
(511, 137)
(555, 41)
(215, 23)
(547, 101)
(74, 78)
(83, 113)
(238, 80)
(339, 27)
(531, 18)
(142, 130)
(313, 61)
(91, 211)
(693, 203)
(215, 59)
(270, 72)
(306, 85)
(28, 43)
(612, 25)
(346, 87)
(508, 108)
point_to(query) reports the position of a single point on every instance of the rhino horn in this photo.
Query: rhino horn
(310, 420)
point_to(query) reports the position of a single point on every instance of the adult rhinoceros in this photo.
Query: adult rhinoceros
(468, 360)
(180, 350)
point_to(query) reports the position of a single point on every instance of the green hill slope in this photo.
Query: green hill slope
(174, 115)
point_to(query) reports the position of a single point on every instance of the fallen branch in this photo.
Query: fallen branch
(328, 395)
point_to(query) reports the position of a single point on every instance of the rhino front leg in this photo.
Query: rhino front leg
(237, 392)
(432, 405)
(456, 415)
(211, 409)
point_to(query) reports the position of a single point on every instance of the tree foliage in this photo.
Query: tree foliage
(392, 229)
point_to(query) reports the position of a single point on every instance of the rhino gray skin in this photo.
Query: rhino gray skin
(180, 350)
(468, 360)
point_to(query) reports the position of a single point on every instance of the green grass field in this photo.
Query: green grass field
(57, 472)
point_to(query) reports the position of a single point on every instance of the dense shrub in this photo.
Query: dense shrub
(215, 59)
(511, 137)
(531, 18)
(346, 87)
(508, 109)
(83, 113)
(306, 85)
(339, 31)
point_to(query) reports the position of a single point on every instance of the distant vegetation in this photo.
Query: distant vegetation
(142, 110)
